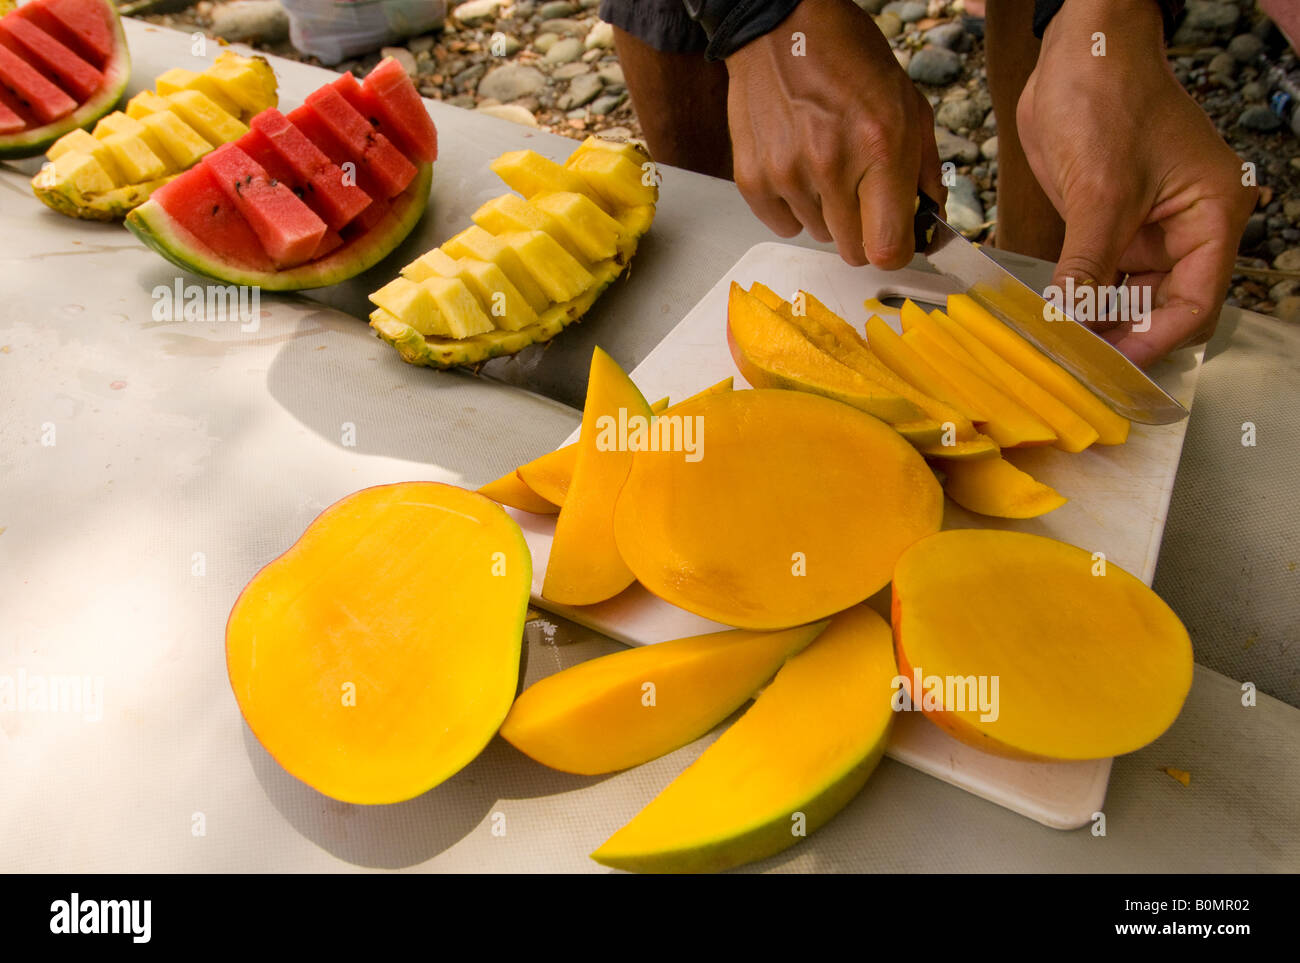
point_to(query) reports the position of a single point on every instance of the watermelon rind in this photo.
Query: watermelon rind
(34, 140)
(157, 229)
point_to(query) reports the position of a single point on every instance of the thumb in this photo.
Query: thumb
(1096, 237)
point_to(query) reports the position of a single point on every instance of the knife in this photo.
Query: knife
(1090, 358)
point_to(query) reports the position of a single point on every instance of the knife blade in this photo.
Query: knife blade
(1090, 358)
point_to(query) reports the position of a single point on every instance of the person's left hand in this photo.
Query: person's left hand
(1144, 182)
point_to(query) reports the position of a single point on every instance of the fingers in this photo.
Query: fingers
(1187, 303)
(772, 211)
(1097, 233)
(887, 206)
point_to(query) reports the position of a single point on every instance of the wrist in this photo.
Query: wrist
(1123, 22)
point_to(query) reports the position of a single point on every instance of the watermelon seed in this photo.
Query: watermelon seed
(216, 208)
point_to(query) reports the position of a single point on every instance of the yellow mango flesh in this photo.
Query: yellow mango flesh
(914, 369)
(630, 707)
(841, 339)
(511, 490)
(585, 566)
(550, 475)
(771, 352)
(1088, 665)
(995, 487)
(1073, 433)
(806, 746)
(1112, 429)
(793, 507)
(380, 653)
(1007, 422)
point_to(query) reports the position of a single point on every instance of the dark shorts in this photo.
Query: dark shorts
(662, 24)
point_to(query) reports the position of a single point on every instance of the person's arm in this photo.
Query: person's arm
(828, 133)
(1045, 10)
(1144, 182)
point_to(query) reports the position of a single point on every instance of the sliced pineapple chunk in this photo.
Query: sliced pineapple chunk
(146, 102)
(615, 178)
(458, 308)
(134, 158)
(213, 124)
(575, 233)
(594, 231)
(181, 142)
(554, 268)
(83, 142)
(83, 172)
(529, 173)
(510, 212)
(474, 242)
(412, 303)
(179, 79)
(248, 81)
(118, 123)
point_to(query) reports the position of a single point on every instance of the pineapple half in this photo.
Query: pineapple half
(532, 263)
(104, 175)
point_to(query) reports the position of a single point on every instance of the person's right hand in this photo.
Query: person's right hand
(836, 141)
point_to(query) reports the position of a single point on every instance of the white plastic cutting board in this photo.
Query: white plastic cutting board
(1119, 497)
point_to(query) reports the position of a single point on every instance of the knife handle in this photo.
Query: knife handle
(927, 209)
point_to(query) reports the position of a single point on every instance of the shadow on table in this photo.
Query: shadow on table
(409, 833)
(333, 372)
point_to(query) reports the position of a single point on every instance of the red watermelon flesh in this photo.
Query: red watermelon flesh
(42, 51)
(45, 101)
(330, 243)
(314, 129)
(288, 229)
(82, 25)
(10, 120)
(369, 148)
(399, 109)
(198, 205)
(399, 115)
(318, 178)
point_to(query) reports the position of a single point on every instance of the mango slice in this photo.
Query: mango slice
(549, 475)
(1088, 661)
(914, 369)
(1073, 434)
(379, 654)
(1008, 423)
(772, 353)
(1112, 429)
(585, 566)
(511, 490)
(797, 757)
(995, 487)
(789, 508)
(842, 340)
(627, 708)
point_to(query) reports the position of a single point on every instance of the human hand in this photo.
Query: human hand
(835, 140)
(1144, 182)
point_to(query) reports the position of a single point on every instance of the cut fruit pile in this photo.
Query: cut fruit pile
(745, 507)
(63, 65)
(378, 656)
(103, 176)
(532, 263)
(961, 387)
(304, 200)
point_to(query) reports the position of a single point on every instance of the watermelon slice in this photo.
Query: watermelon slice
(394, 108)
(284, 150)
(63, 65)
(289, 229)
(274, 209)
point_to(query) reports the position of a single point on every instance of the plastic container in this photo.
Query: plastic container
(334, 30)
